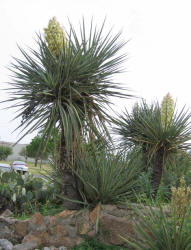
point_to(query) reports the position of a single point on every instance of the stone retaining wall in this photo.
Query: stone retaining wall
(67, 228)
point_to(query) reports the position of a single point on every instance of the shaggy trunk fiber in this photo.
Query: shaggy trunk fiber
(70, 184)
(157, 170)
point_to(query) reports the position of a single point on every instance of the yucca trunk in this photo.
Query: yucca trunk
(145, 158)
(157, 170)
(69, 183)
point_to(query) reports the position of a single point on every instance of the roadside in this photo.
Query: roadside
(39, 170)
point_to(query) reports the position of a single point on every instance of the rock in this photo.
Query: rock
(93, 215)
(7, 230)
(32, 238)
(22, 227)
(111, 228)
(36, 222)
(36, 219)
(7, 213)
(66, 228)
(66, 213)
(26, 246)
(5, 244)
(84, 229)
(50, 248)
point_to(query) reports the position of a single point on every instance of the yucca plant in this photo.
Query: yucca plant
(108, 178)
(67, 83)
(157, 230)
(143, 127)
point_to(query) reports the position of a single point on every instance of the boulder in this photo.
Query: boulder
(7, 213)
(5, 244)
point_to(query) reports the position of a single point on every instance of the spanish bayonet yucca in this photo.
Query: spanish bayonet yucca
(144, 127)
(68, 83)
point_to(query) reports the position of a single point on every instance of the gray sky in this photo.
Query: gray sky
(159, 50)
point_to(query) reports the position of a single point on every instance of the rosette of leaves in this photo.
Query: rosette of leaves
(68, 83)
(143, 128)
(159, 229)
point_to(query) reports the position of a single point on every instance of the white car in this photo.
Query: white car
(19, 166)
(5, 167)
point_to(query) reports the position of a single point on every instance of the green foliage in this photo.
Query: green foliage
(23, 153)
(23, 193)
(95, 244)
(158, 231)
(143, 127)
(5, 151)
(107, 178)
(35, 149)
(176, 167)
(70, 90)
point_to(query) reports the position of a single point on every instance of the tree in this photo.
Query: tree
(5, 151)
(36, 149)
(68, 84)
(23, 153)
(159, 133)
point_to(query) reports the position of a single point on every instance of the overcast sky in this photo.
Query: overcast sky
(159, 50)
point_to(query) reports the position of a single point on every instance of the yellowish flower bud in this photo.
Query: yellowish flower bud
(55, 36)
(167, 110)
(181, 197)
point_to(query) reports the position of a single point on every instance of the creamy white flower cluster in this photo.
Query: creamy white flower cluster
(167, 110)
(54, 36)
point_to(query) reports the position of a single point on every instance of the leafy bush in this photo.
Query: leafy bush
(177, 167)
(5, 151)
(20, 193)
(159, 231)
(107, 178)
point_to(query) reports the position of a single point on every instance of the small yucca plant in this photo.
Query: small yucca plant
(159, 231)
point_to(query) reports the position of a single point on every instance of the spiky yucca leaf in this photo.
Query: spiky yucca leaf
(108, 178)
(157, 230)
(70, 91)
(143, 127)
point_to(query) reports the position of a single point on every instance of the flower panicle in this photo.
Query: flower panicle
(55, 36)
(167, 110)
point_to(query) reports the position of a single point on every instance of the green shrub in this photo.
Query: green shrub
(107, 178)
(5, 151)
(23, 193)
(159, 231)
(177, 167)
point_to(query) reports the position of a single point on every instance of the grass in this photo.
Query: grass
(94, 244)
(48, 209)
